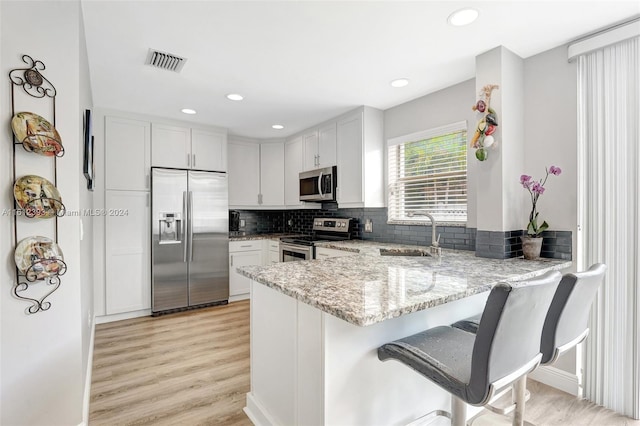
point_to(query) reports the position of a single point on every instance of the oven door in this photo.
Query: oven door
(293, 252)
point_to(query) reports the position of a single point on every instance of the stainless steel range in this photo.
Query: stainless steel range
(324, 229)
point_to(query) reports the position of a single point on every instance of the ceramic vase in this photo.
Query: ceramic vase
(531, 247)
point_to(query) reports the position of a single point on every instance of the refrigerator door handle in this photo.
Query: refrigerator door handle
(184, 235)
(190, 219)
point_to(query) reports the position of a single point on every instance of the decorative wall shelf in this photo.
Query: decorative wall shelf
(38, 259)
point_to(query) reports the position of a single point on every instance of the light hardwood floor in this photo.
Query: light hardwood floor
(192, 368)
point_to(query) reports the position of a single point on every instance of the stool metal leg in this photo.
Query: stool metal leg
(458, 412)
(519, 390)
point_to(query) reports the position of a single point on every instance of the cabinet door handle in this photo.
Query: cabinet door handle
(246, 246)
(231, 260)
(147, 181)
(188, 160)
(194, 160)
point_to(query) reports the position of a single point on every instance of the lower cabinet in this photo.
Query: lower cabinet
(127, 260)
(325, 253)
(249, 253)
(242, 253)
(273, 252)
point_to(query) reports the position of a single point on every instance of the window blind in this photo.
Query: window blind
(429, 175)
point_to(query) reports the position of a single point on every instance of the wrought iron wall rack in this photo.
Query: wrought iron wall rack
(35, 84)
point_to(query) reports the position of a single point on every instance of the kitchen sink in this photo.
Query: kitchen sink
(395, 252)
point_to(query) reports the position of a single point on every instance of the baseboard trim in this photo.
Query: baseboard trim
(557, 378)
(239, 297)
(87, 381)
(256, 412)
(123, 316)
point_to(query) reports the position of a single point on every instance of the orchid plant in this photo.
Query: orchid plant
(536, 189)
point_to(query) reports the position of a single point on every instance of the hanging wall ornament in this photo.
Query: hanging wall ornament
(482, 138)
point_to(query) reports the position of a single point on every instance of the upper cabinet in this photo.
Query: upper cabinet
(185, 148)
(170, 146)
(272, 175)
(209, 150)
(293, 165)
(128, 154)
(244, 173)
(361, 159)
(320, 147)
(256, 174)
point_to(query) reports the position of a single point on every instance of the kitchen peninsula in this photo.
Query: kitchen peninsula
(316, 325)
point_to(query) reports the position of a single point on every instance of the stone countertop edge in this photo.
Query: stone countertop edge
(349, 287)
(273, 236)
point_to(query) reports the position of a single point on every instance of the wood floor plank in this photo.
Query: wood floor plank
(192, 368)
(188, 368)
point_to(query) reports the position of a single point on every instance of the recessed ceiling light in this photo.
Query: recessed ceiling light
(401, 82)
(188, 110)
(235, 97)
(278, 126)
(463, 17)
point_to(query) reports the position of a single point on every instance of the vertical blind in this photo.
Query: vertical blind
(428, 173)
(609, 213)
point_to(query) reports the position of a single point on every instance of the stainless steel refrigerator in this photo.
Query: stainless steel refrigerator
(190, 245)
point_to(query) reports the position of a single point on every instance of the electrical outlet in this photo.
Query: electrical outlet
(368, 225)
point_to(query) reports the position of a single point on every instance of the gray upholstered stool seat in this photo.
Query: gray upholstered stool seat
(442, 354)
(473, 367)
(469, 325)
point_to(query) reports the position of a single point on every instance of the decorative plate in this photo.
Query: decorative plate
(39, 258)
(38, 197)
(37, 134)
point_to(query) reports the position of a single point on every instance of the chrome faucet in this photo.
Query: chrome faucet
(435, 248)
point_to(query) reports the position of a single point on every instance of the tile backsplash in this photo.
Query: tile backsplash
(500, 245)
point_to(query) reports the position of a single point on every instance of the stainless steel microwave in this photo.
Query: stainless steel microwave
(319, 185)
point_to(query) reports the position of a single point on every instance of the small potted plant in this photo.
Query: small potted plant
(532, 242)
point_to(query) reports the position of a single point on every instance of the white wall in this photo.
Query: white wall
(433, 110)
(41, 365)
(550, 129)
(86, 203)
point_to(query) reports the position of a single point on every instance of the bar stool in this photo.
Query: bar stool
(473, 368)
(566, 323)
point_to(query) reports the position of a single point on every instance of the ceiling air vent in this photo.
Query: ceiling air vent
(165, 61)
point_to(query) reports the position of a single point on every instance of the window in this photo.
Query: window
(428, 173)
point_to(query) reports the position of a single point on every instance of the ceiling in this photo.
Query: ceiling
(298, 63)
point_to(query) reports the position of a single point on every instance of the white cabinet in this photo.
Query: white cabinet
(293, 165)
(185, 148)
(127, 256)
(327, 142)
(310, 141)
(128, 154)
(209, 150)
(320, 147)
(361, 159)
(272, 252)
(244, 173)
(256, 174)
(326, 253)
(242, 253)
(170, 146)
(271, 175)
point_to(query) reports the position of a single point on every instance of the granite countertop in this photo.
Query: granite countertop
(368, 288)
(273, 236)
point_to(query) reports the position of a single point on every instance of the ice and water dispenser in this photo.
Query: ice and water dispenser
(170, 228)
